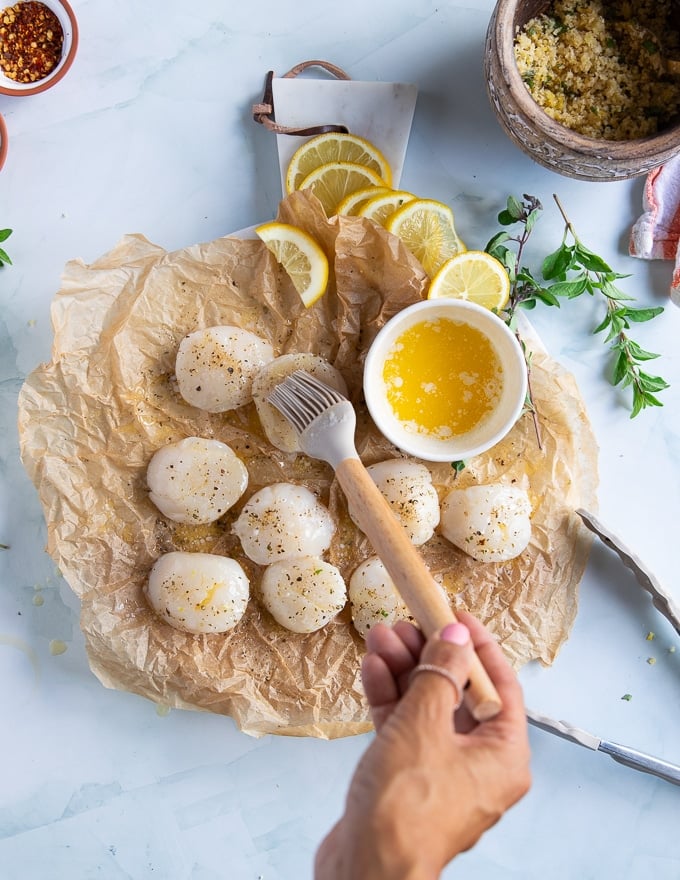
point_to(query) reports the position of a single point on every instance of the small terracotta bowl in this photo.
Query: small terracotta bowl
(69, 26)
(546, 141)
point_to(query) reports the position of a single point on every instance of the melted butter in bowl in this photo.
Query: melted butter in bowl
(445, 380)
(442, 378)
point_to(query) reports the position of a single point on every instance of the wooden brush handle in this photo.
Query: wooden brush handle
(411, 576)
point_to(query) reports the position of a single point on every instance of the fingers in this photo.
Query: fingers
(382, 691)
(398, 647)
(411, 636)
(508, 731)
(392, 654)
(439, 689)
(500, 672)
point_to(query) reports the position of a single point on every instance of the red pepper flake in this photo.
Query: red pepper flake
(31, 41)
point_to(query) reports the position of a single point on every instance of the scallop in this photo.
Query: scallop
(282, 521)
(491, 523)
(407, 486)
(373, 596)
(215, 367)
(196, 480)
(303, 594)
(278, 429)
(198, 592)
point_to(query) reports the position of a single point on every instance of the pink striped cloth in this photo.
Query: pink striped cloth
(656, 233)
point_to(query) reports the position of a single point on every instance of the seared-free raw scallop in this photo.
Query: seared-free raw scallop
(407, 486)
(303, 594)
(278, 429)
(196, 480)
(373, 596)
(215, 367)
(198, 592)
(490, 523)
(282, 521)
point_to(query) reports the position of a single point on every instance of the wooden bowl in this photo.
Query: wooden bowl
(553, 145)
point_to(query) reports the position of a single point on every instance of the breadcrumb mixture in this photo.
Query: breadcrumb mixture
(605, 70)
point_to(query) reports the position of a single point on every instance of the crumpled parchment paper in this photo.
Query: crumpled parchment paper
(90, 420)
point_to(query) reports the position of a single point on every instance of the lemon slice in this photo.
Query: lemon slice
(475, 276)
(332, 182)
(301, 257)
(351, 203)
(383, 205)
(426, 227)
(335, 147)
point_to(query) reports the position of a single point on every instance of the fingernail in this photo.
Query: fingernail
(457, 633)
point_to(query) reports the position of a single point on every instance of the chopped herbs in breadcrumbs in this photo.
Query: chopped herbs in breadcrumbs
(603, 69)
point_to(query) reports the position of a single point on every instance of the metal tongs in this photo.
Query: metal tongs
(670, 610)
(661, 600)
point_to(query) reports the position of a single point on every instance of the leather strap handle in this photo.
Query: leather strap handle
(264, 113)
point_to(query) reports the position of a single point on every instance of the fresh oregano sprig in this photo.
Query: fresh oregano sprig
(573, 269)
(591, 274)
(524, 289)
(4, 257)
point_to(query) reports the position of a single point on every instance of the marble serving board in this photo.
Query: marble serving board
(381, 112)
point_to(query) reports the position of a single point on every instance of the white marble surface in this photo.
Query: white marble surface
(151, 132)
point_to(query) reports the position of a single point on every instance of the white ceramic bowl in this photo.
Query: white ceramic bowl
(493, 427)
(69, 26)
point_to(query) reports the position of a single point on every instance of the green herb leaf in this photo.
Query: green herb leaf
(556, 264)
(514, 208)
(617, 324)
(527, 304)
(510, 263)
(547, 297)
(505, 256)
(505, 218)
(5, 234)
(638, 403)
(498, 239)
(4, 258)
(639, 353)
(570, 289)
(532, 219)
(589, 260)
(606, 321)
(639, 316)
(620, 368)
(610, 290)
(652, 383)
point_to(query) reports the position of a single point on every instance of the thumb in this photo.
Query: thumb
(442, 672)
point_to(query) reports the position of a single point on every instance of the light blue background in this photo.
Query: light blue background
(151, 132)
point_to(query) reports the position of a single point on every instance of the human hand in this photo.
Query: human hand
(434, 779)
